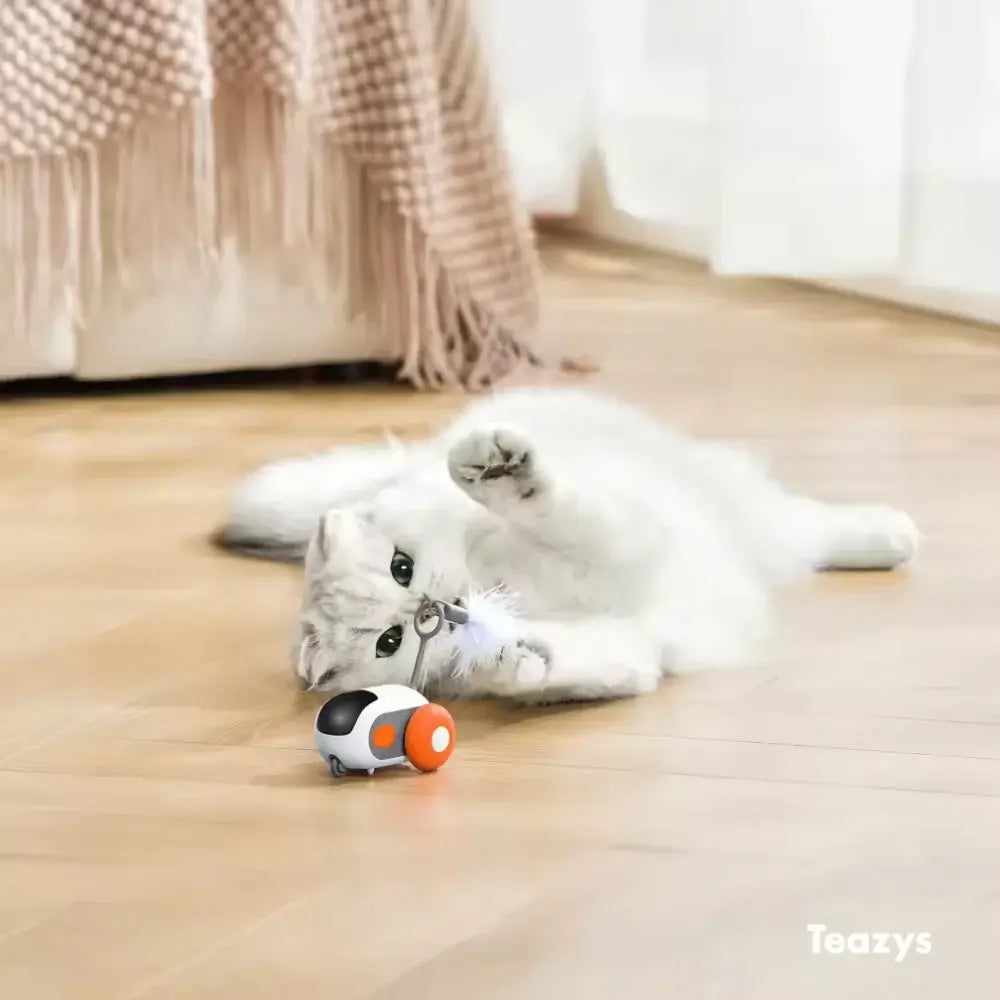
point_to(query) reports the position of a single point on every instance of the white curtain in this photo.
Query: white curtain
(804, 138)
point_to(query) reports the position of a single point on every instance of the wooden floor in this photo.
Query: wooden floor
(166, 830)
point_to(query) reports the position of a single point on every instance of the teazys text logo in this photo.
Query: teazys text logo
(894, 944)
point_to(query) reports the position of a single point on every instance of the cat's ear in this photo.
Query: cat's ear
(322, 539)
(304, 647)
(337, 525)
(328, 530)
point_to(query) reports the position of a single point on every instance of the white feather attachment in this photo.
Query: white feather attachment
(491, 627)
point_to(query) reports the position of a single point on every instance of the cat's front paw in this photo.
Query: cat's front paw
(495, 464)
(520, 671)
(531, 666)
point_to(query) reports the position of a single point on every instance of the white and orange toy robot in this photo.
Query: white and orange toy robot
(380, 726)
(389, 724)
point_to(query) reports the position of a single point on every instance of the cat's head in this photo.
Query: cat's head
(368, 566)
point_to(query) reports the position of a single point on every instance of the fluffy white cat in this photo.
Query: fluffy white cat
(631, 550)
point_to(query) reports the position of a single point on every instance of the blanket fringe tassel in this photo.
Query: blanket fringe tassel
(244, 170)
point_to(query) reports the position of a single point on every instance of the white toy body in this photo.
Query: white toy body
(379, 726)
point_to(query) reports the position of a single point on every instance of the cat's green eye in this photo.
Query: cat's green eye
(389, 641)
(401, 568)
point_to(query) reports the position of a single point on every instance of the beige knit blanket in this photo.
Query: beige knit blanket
(352, 143)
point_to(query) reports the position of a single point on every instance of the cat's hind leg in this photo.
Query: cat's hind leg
(784, 532)
(853, 536)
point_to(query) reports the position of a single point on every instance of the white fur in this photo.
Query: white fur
(633, 551)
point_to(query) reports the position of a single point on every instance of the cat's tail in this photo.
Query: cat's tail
(274, 512)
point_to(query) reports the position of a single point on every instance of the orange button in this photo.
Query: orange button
(383, 736)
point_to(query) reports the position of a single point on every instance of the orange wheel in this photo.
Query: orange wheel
(430, 737)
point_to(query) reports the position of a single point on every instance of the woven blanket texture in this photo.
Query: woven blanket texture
(353, 145)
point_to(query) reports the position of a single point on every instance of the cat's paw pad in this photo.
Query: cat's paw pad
(522, 670)
(491, 457)
(531, 664)
(530, 672)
